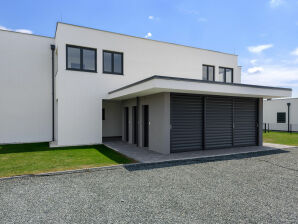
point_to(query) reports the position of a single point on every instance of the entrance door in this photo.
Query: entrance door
(126, 124)
(135, 124)
(145, 125)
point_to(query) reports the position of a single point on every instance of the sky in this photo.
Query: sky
(264, 33)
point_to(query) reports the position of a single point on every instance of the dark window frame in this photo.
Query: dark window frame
(208, 72)
(225, 74)
(281, 120)
(112, 63)
(81, 58)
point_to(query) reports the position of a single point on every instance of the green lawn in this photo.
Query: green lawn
(38, 158)
(283, 138)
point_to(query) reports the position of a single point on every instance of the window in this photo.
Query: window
(208, 72)
(113, 62)
(226, 75)
(80, 58)
(281, 117)
(103, 114)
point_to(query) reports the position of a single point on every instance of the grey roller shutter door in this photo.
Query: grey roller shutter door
(245, 121)
(219, 122)
(186, 122)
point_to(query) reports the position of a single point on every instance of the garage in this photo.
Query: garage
(200, 122)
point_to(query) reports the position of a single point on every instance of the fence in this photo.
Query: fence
(267, 127)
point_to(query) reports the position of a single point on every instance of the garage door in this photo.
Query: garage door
(219, 122)
(245, 120)
(186, 122)
(212, 122)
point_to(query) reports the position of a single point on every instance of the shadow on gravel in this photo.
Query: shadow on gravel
(156, 165)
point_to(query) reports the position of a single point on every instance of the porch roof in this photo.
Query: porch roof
(158, 84)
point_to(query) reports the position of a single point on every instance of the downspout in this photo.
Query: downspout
(289, 104)
(53, 91)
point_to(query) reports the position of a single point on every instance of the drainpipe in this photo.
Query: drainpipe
(289, 104)
(53, 91)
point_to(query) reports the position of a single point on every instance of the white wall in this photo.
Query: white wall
(159, 121)
(80, 93)
(112, 125)
(271, 107)
(25, 88)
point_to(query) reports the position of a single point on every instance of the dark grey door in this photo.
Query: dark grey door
(219, 122)
(126, 123)
(186, 122)
(145, 125)
(135, 124)
(245, 121)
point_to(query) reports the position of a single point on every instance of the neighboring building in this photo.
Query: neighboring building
(164, 96)
(281, 114)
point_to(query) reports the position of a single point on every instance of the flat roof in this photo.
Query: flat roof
(158, 84)
(142, 38)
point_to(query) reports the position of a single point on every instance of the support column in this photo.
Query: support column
(260, 121)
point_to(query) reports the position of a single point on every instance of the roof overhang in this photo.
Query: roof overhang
(158, 84)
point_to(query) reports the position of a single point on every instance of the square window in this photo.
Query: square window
(113, 62)
(281, 117)
(208, 72)
(80, 58)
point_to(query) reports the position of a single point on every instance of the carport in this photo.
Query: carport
(196, 114)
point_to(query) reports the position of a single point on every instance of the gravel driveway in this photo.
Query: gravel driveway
(234, 189)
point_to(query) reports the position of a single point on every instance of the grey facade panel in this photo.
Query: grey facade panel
(246, 118)
(219, 122)
(186, 122)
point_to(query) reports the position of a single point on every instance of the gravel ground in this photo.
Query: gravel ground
(235, 189)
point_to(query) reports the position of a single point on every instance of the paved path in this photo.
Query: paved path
(232, 189)
(147, 156)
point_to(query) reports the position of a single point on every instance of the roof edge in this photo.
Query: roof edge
(195, 80)
(31, 34)
(159, 41)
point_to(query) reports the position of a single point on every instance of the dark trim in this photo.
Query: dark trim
(53, 91)
(81, 58)
(138, 121)
(121, 34)
(195, 80)
(204, 122)
(208, 72)
(225, 74)
(112, 63)
(288, 104)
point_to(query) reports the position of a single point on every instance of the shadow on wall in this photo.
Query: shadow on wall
(137, 167)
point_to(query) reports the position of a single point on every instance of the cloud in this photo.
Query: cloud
(24, 31)
(151, 17)
(254, 70)
(284, 76)
(253, 61)
(3, 28)
(148, 35)
(259, 48)
(295, 52)
(276, 3)
(17, 30)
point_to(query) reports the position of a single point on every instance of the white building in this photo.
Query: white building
(163, 96)
(281, 114)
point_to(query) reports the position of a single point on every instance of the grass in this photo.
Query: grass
(283, 138)
(36, 158)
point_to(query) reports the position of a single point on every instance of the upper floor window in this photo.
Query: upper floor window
(80, 58)
(226, 75)
(113, 62)
(208, 72)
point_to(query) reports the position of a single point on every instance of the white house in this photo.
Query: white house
(281, 114)
(85, 84)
